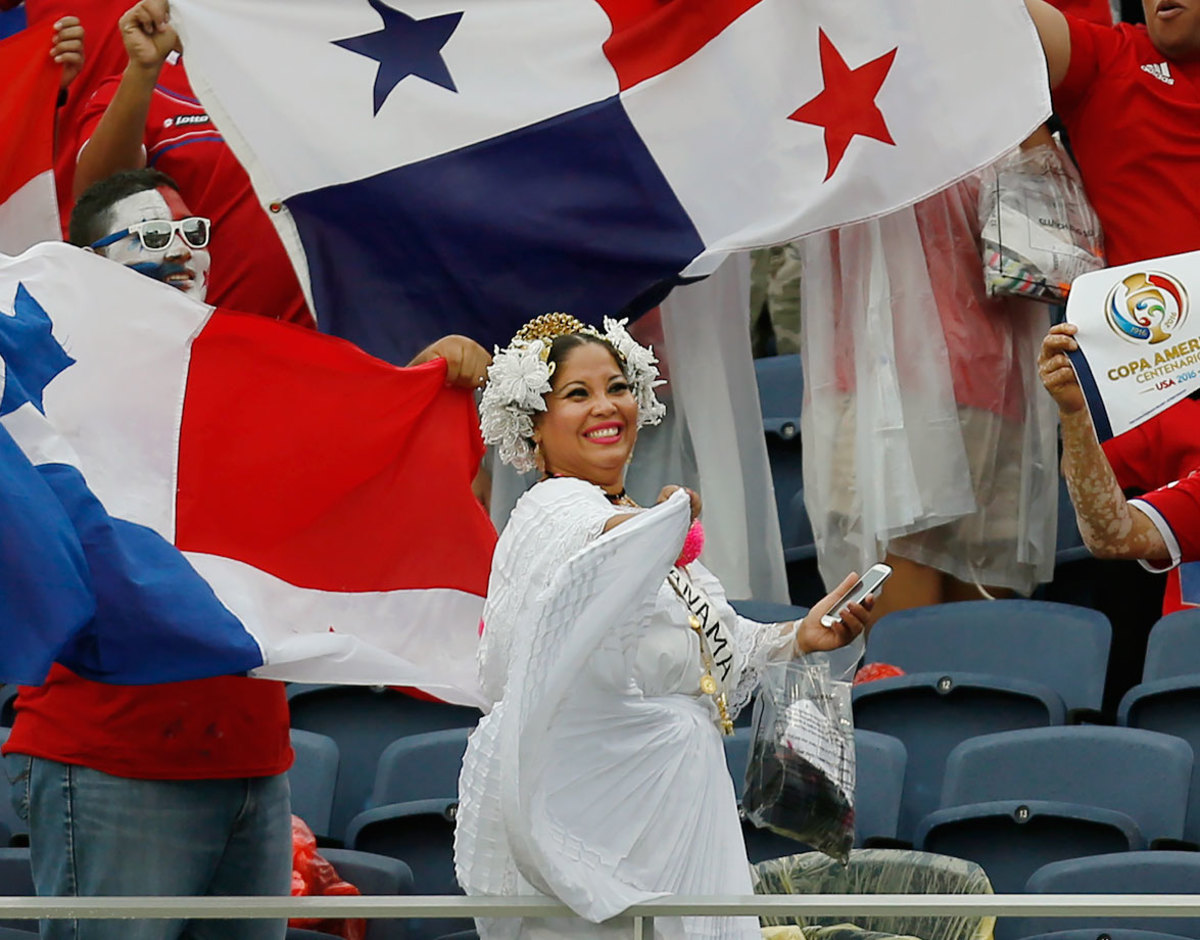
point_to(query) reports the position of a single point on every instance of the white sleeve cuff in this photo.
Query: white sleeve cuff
(1165, 530)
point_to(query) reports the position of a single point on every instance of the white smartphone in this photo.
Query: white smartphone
(869, 583)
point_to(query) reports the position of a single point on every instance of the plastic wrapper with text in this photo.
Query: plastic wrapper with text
(1039, 230)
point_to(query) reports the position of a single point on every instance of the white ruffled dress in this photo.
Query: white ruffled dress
(598, 777)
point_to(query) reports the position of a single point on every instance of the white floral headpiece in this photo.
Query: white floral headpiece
(519, 378)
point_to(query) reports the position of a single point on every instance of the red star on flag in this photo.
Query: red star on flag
(846, 105)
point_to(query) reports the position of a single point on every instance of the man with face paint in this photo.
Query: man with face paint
(174, 789)
(138, 219)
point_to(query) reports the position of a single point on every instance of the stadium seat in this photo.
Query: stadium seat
(1124, 873)
(420, 767)
(879, 871)
(313, 778)
(1104, 933)
(1142, 774)
(879, 785)
(16, 881)
(780, 381)
(363, 721)
(422, 834)
(1168, 697)
(1012, 838)
(10, 823)
(375, 875)
(1056, 645)
(931, 713)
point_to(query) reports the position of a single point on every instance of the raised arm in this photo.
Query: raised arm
(1110, 526)
(1056, 38)
(117, 142)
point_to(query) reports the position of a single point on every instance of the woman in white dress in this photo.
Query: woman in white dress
(612, 659)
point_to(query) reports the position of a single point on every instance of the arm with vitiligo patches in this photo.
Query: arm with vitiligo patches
(1110, 526)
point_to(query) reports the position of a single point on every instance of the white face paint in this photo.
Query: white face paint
(180, 266)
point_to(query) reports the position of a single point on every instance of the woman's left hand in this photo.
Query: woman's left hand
(812, 636)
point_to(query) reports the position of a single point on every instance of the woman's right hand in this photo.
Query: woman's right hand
(692, 494)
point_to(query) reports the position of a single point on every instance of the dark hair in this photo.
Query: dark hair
(88, 218)
(562, 345)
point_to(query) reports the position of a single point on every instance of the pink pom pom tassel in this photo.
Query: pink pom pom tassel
(693, 545)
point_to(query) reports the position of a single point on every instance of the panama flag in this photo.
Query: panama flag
(28, 88)
(187, 492)
(463, 165)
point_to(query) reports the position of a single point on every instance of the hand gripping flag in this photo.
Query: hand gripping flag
(28, 88)
(193, 492)
(463, 165)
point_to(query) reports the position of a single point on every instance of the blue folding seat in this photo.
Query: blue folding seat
(313, 778)
(422, 834)
(1157, 872)
(10, 823)
(881, 763)
(975, 668)
(1020, 799)
(1059, 646)
(1142, 774)
(16, 881)
(780, 381)
(377, 875)
(768, 611)
(420, 767)
(1168, 697)
(363, 721)
(1104, 933)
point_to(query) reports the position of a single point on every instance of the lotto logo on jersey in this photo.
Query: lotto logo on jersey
(182, 120)
(1146, 307)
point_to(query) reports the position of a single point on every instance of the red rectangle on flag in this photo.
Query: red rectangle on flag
(652, 36)
(303, 456)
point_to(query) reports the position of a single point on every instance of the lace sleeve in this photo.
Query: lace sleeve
(759, 644)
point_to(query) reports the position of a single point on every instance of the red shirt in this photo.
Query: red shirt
(201, 730)
(1134, 123)
(1097, 11)
(1162, 457)
(250, 268)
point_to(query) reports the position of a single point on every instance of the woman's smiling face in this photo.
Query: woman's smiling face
(589, 426)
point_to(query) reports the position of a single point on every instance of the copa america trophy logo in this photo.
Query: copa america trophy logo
(1146, 307)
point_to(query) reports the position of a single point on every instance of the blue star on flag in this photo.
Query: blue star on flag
(405, 46)
(32, 356)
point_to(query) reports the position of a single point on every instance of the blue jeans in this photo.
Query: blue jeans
(94, 834)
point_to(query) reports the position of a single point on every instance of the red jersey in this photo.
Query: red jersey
(1134, 123)
(1162, 457)
(250, 268)
(206, 729)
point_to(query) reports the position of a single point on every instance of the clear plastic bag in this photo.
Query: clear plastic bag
(800, 773)
(1039, 230)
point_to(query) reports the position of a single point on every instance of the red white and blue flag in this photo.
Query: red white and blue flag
(462, 165)
(28, 88)
(187, 492)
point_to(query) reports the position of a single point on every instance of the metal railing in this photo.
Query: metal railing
(775, 905)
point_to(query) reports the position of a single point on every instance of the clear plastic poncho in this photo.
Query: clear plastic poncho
(925, 428)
